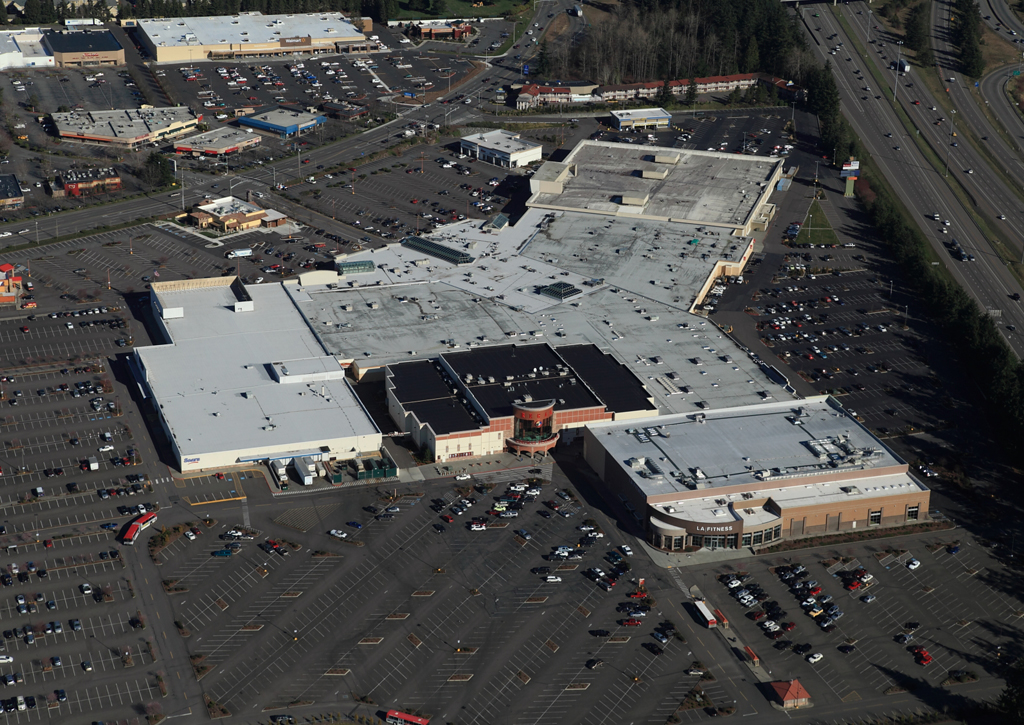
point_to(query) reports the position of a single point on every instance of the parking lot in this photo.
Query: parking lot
(429, 614)
(310, 80)
(894, 623)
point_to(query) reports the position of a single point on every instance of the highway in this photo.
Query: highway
(921, 188)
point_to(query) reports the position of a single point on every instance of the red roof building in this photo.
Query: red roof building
(791, 694)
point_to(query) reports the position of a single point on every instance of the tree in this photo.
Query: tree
(1011, 700)
(543, 60)
(158, 170)
(33, 12)
(751, 58)
(691, 91)
(439, 8)
(736, 97)
(917, 36)
(665, 97)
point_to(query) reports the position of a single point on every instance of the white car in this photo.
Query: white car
(5, 234)
(816, 657)
(190, 536)
(339, 534)
(913, 564)
(104, 449)
(463, 477)
(626, 550)
(6, 659)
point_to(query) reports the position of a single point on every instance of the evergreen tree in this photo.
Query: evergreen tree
(33, 12)
(691, 92)
(735, 98)
(665, 97)
(751, 58)
(3, 14)
(158, 170)
(439, 8)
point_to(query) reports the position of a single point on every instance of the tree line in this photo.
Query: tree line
(649, 40)
(966, 32)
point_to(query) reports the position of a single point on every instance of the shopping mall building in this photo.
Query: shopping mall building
(753, 475)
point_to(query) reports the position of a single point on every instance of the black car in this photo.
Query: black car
(600, 633)
(7, 580)
(653, 648)
(846, 648)
(801, 649)
(439, 528)
(543, 570)
(783, 644)
(545, 513)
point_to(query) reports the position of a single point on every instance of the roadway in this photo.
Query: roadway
(921, 187)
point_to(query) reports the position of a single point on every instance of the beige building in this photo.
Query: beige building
(228, 214)
(130, 128)
(728, 192)
(250, 34)
(750, 476)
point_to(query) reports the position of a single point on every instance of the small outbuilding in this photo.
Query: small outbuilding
(791, 695)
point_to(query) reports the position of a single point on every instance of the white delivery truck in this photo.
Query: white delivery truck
(238, 253)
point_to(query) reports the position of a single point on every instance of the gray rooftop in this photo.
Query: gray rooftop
(249, 27)
(703, 187)
(501, 140)
(221, 137)
(216, 383)
(654, 260)
(122, 124)
(809, 440)
(283, 117)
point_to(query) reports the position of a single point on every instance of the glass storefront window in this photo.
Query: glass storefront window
(730, 541)
(697, 541)
(875, 518)
(778, 531)
(768, 535)
(746, 539)
(912, 513)
(677, 543)
(758, 535)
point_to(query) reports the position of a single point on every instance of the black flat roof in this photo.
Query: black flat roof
(9, 187)
(421, 390)
(613, 382)
(82, 42)
(535, 370)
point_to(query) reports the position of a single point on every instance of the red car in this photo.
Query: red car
(924, 659)
(853, 585)
(789, 626)
(638, 595)
(815, 591)
(24, 328)
(48, 543)
(630, 622)
(758, 616)
(447, 518)
(220, 476)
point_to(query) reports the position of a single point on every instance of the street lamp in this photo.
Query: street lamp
(896, 76)
(952, 123)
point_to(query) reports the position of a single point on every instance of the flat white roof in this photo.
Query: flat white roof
(217, 138)
(215, 384)
(785, 442)
(642, 113)
(228, 205)
(501, 140)
(251, 27)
